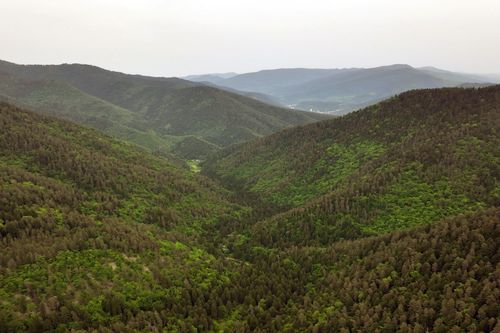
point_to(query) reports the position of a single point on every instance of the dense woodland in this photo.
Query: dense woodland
(414, 159)
(385, 220)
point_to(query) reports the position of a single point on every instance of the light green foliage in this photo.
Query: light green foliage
(83, 275)
(282, 185)
(338, 162)
(411, 202)
(194, 165)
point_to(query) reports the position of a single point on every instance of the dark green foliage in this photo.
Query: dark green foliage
(81, 213)
(53, 171)
(192, 147)
(439, 278)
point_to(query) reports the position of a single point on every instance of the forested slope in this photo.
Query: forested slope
(438, 278)
(65, 101)
(97, 235)
(156, 113)
(414, 159)
(81, 212)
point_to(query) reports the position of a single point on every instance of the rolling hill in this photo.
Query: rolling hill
(273, 80)
(212, 77)
(156, 113)
(80, 212)
(343, 90)
(414, 159)
(99, 235)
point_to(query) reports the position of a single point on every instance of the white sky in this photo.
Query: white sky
(180, 37)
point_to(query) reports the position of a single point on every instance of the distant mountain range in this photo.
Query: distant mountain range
(212, 77)
(167, 115)
(339, 91)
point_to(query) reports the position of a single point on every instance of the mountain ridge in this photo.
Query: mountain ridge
(343, 90)
(157, 107)
(372, 171)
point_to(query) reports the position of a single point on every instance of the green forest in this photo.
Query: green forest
(386, 219)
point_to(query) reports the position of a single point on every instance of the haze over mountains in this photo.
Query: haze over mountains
(169, 115)
(339, 91)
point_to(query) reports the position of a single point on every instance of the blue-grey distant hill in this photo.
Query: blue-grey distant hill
(342, 90)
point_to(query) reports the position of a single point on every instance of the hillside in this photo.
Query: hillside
(440, 278)
(414, 159)
(80, 211)
(343, 90)
(107, 178)
(155, 113)
(97, 235)
(63, 100)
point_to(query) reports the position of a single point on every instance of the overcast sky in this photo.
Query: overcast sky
(180, 37)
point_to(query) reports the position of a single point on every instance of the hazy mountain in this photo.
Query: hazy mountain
(342, 90)
(213, 77)
(364, 85)
(157, 113)
(255, 95)
(492, 77)
(269, 81)
(452, 76)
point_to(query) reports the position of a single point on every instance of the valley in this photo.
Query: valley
(383, 219)
(238, 166)
(163, 115)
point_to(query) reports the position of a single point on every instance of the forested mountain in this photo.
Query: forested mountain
(98, 235)
(343, 90)
(156, 113)
(441, 278)
(45, 160)
(80, 212)
(65, 101)
(414, 159)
